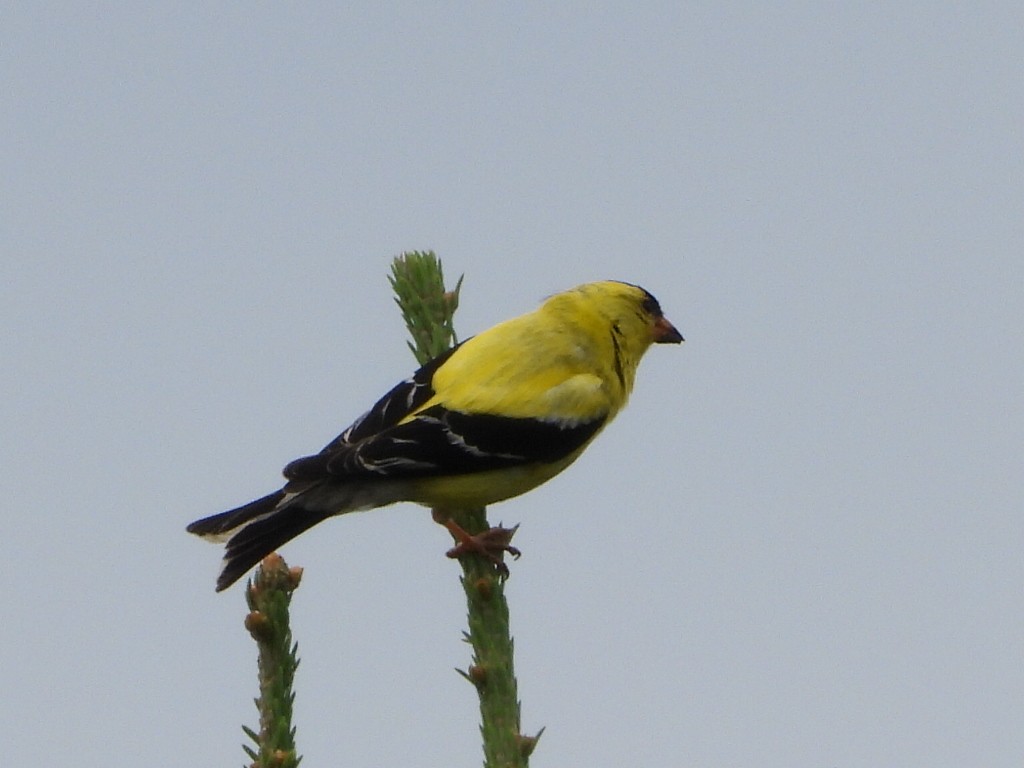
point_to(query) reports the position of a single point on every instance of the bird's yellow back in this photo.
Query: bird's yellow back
(572, 360)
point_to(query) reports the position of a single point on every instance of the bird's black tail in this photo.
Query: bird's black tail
(255, 530)
(219, 527)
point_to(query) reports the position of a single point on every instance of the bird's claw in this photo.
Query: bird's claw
(491, 544)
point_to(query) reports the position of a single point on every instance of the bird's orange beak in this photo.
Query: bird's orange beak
(666, 333)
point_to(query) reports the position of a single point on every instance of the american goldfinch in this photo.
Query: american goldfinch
(494, 417)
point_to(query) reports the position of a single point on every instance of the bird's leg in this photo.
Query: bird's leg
(491, 544)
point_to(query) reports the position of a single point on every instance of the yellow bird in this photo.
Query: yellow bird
(491, 418)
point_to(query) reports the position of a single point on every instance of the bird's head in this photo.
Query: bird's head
(630, 312)
(622, 318)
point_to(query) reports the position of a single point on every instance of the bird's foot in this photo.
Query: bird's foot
(491, 544)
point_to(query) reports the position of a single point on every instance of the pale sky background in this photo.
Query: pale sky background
(801, 544)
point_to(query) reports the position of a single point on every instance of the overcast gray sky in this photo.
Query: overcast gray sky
(800, 545)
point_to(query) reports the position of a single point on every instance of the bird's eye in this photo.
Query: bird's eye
(651, 306)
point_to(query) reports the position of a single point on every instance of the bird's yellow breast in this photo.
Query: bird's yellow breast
(482, 488)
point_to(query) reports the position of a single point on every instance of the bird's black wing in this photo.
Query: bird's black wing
(439, 441)
(402, 400)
